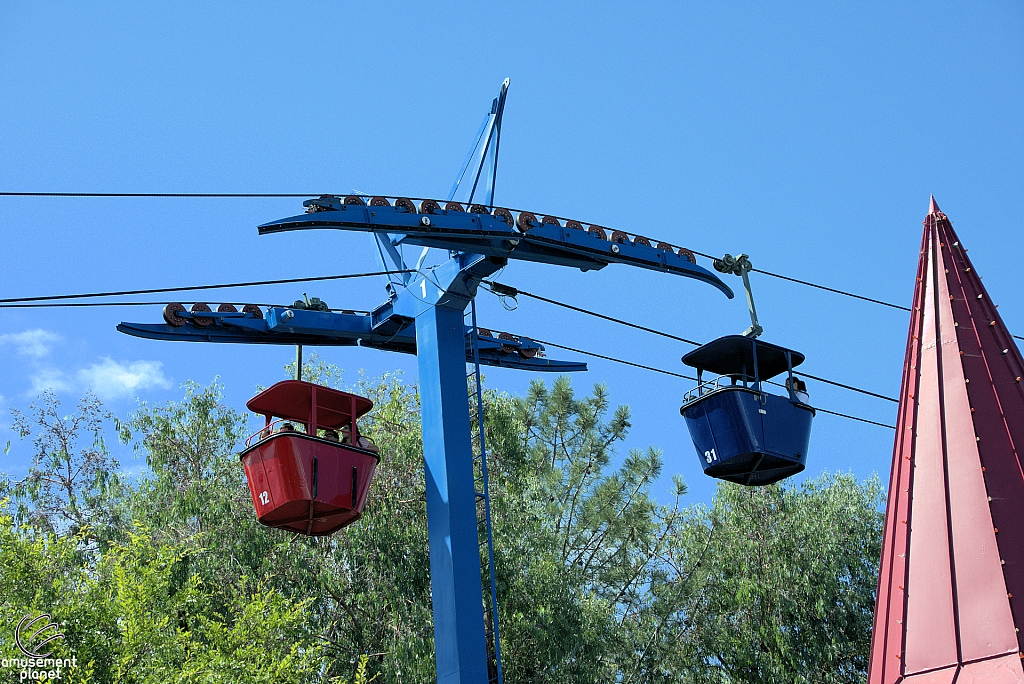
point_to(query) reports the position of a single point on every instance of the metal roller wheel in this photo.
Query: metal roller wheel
(453, 206)
(638, 240)
(254, 310)
(664, 246)
(380, 202)
(551, 221)
(526, 221)
(575, 225)
(484, 332)
(619, 237)
(355, 199)
(478, 209)
(430, 207)
(688, 255)
(507, 348)
(527, 352)
(227, 308)
(171, 316)
(201, 321)
(505, 215)
(406, 203)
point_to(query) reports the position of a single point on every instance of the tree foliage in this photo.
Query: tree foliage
(69, 487)
(170, 578)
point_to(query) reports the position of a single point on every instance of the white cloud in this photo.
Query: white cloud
(112, 380)
(48, 379)
(35, 343)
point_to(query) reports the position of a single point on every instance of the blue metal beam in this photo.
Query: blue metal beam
(456, 588)
(393, 332)
(489, 235)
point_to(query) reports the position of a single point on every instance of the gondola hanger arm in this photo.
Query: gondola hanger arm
(741, 266)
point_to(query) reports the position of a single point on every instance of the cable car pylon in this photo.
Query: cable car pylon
(424, 314)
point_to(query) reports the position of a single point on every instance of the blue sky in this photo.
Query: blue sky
(806, 135)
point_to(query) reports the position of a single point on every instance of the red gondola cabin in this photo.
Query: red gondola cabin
(309, 482)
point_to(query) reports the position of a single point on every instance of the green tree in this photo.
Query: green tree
(579, 540)
(69, 487)
(366, 590)
(132, 615)
(598, 580)
(785, 586)
(194, 480)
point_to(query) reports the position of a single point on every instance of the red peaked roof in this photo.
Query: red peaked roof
(299, 401)
(951, 583)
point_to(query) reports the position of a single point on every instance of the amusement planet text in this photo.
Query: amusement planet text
(39, 669)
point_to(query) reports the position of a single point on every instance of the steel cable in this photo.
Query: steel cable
(245, 195)
(506, 290)
(252, 283)
(687, 377)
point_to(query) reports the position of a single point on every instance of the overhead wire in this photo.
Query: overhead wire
(68, 305)
(820, 287)
(612, 358)
(15, 302)
(507, 290)
(687, 377)
(238, 195)
(832, 289)
(862, 420)
(550, 344)
(248, 195)
(189, 288)
(502, 290)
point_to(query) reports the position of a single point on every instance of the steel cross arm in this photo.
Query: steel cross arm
(491, 236)
(392, 332)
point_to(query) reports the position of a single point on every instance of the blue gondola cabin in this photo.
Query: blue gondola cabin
(743, 433)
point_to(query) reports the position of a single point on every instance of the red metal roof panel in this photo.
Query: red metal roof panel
(951, 581)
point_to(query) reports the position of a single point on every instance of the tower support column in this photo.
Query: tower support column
(456, 587)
